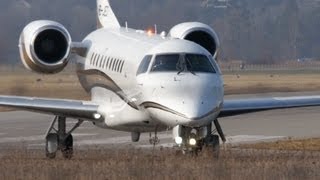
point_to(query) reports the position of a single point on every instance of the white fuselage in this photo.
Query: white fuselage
(152, 99)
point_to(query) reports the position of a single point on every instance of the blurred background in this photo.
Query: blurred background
(251, 31)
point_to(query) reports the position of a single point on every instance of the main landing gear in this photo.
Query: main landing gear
(194, 140)
(154, 140)
(59, 138)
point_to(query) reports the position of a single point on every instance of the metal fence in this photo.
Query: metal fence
(225, 67)
(292, 66)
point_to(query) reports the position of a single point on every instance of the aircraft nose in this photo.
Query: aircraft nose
(196, 108)
(194, 111)
(187, 97)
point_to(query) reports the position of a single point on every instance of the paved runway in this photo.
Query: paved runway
(27, 128)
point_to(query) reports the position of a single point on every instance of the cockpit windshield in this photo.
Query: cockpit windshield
(165, 63)
(182, 62)
(198, 63)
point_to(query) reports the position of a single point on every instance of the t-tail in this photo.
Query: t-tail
(105, 16)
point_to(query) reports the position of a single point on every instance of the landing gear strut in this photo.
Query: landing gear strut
(219, 130)
(60, 138)
(211, 140)
(154, 140)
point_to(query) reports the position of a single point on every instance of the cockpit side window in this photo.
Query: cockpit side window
(165, 63)
(199, 63)
(143, 68)
(215, 65)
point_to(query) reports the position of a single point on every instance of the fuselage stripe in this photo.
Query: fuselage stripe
(112, 85)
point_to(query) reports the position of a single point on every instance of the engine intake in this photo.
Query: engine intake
(45, 46)
(198, 33)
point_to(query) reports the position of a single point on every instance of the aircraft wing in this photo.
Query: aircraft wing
(60, 107)
(243, 106)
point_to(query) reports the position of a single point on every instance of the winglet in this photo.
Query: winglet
(105, 15)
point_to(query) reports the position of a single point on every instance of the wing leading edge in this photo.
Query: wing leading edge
(243, 106)
(87, 109)
(59, 107)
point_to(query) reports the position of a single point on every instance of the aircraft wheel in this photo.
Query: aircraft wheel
(212, 142)
(189, 151)
(216, 146)
(52, 143)
(192, 150)
(67, 147)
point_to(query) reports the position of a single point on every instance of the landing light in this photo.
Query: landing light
(192, 141)
(97, 115)
(178, 140)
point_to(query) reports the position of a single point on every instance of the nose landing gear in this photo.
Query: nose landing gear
(60, 139)
(194, 140)
(219, 130)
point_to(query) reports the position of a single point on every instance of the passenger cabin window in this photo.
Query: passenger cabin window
(111, 61)
(106, 67)
(91, 59)
(143, 68)
(94, 59)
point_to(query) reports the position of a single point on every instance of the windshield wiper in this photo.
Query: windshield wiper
(181, 66)
(190, 69)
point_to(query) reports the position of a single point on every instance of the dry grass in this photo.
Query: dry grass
(312, 144)
(66, 85)
(29, 84)
(261, 83)
(107, 163)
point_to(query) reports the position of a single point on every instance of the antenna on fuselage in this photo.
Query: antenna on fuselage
(127, 26)
(155, 29)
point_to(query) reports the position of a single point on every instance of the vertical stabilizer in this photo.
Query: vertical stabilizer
(105, 15)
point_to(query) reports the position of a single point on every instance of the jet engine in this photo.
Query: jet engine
(45, 46)
(198, 33)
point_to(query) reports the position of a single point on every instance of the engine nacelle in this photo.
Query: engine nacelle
(45, 46)
(199, 33)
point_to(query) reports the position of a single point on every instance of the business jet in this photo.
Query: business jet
(139, 82)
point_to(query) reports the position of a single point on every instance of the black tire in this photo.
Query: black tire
(213, 144)
(189, 151)
(67, 147)
(216, 146)
(52, 144)
(135, 136)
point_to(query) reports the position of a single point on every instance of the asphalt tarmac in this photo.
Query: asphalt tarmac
(28, 129)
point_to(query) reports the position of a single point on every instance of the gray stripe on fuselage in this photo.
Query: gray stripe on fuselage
(164, 108)
(95, 78)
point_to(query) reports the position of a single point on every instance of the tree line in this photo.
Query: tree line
(255, 31)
